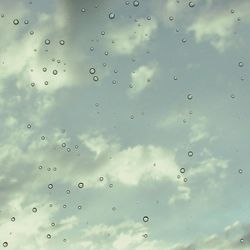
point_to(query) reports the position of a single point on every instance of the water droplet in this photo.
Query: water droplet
(55, 72)
(106, 53)
(80, 184)
(190, 153)
(91, 48)
(46, 83)
(68, 149)
(63, 144)
(175, 78)
(111, 15)
(101, 178)
(50, 186)
(127, 2)
(16, 21)
(241, 240)
(191, 4)
(136, 3)
(43, 137)
(232, 11)
(31, 32)
(5, 244)
(34, 209)
(145, 236)
(171, 18)
(40, 167)
(13, 219)
(189, 97)
(103, 33)
(76, 146)
(232, 96)
(64, 240)
(32, 84)
(26, 21)
(61, 42)
(131, 117)
(182, 170)
(47, 41)
(184, 40)
(148, 17)
(92, 70)
(241, 64)
(240, 171)
(2, 15)
(48, 236)
(44, 69)
(95, 78)
(53, 224)
(48, 169)
(110, 185)
(29, 126)
(114, 81)
(79, 207)
(145, 219)
(83, 10)
(185, 179)
(64, 206)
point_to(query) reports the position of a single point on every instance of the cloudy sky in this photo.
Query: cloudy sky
(124, 125)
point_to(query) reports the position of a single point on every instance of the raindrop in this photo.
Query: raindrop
(48, 169)
(55, 72)
(145, 219)
(136, 3)
(148, 17)
(106, 53)
(111, 15)
(185, 179)
(13, 219)
(2, 15)
(131, 117)
(110, 185)
(43, 137)
(241, 64)
(190, 153)
(191, 4)
(31, 32)
(184, 40)
(16, 21)
(5, 244)
(171, 18)
(91, 48)
(80, 184)
(44, 69)
(232, 96)
(26, 21)
(95, 78)
(53, 224)
(48, 236)
(34, 209)
(189, 97)
(54, 169)
(83, 10)
(50, 186)
(241, 240)
(92, 70)
(101, 178)
(40, 167)
(28, 126)
(61, 42)
(182, 170)
(127, 2)
(46, 83)
(68, 149)
(76, 146)
(79, 207)
(63, 144)
(240, 171)
(232, 11)
(32, 84)
(114, 81)
(145, 236)
(47, 41)
(64, 206)
(103, 33)
(175, 78)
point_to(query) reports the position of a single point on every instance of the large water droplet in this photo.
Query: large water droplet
(136, 3)
(16, 21)
(145, 219)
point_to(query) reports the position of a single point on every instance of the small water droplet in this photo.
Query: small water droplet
(136, 3)
(191, 4)
(240, 171)
(5, 244)
(50, 186)
(80, 184)
(83, 10)
(13, 219)
(26, 21)
(189, 97)
(61, 42)
(43, 137)
(101, 178)
(111, 15)
(16, 21)
(184, 40)
(241, 240)
(145, 219)
(29, 126)
(34, 209)
(48, 236)
(55, 72)
(182, 170)
(95, 78)
(44, 69)
(190, 153)
(171, 18)
(92, 70)
(241, 64)
(47, 41)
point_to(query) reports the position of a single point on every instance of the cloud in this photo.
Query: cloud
(142, 78)
(133, 36)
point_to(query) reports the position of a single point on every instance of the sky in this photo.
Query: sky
(124, 125)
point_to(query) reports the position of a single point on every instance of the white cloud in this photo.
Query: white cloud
(125, 38)
(142, 78)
